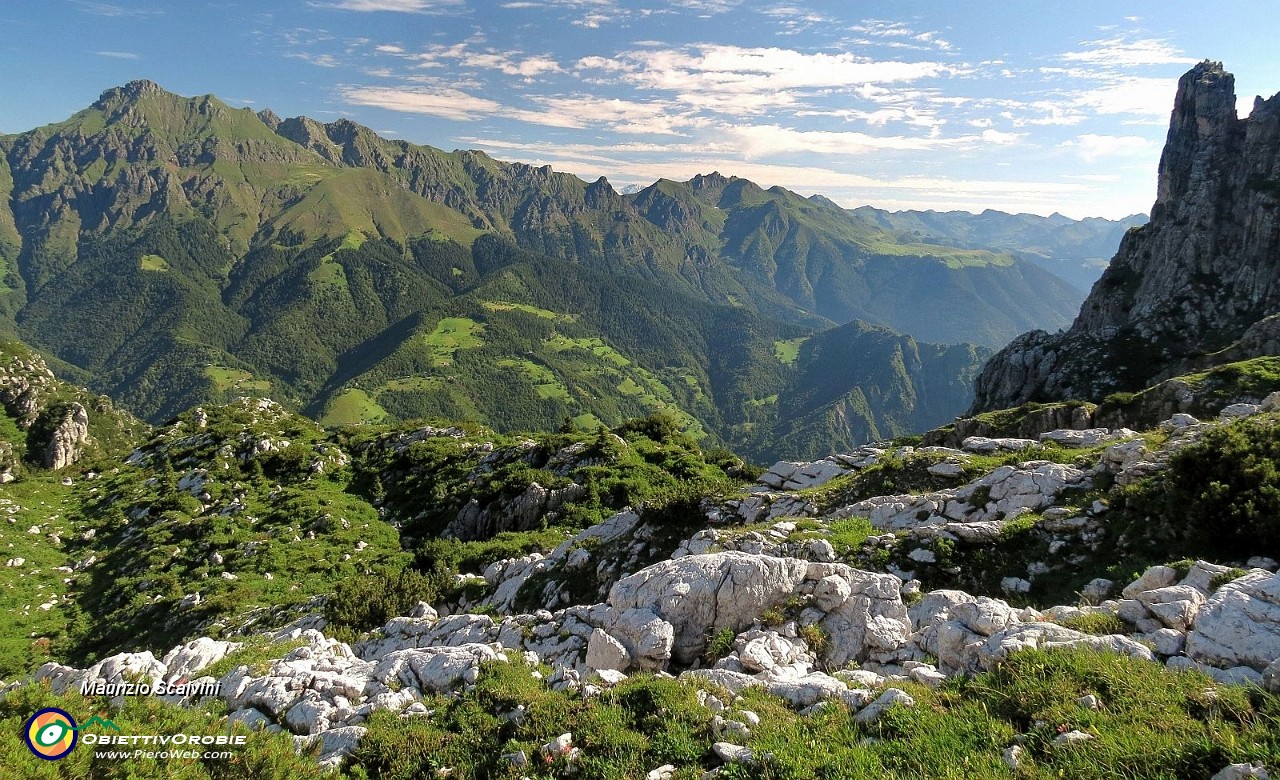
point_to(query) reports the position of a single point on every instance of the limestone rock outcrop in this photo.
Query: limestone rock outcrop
(1191, 282)
(68, 437)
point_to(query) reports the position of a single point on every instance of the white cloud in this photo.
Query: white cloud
(568, 112)
(880, 117)
(118, 55)
(624, 116)
(897, 34)
(321, 60)
(442, 102)
(596, 62)
(533, 66)
(1121, 53)
(112, 10)
(508, 63)
(1106, 178)
(1140, 95)
(793, 20)
(528, 67)
(756, 141)
(590, 13)
(706, 6)
(739, 80)
(401, 6)
(1091, 147)
(387, 48)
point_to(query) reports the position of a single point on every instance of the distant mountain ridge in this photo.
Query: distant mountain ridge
(1191, 289)
(1078, 251)
(171, 250)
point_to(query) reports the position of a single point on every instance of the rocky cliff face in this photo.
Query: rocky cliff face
(49, 423)
(1189, 283)
(69, 437)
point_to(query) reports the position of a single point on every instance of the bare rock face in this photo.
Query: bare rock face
(24, 382)
(1190, 282)
(1240, 624)
(723, 590)
(68, 438)
(8, 462)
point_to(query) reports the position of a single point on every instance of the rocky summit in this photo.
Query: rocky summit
(1193, 288)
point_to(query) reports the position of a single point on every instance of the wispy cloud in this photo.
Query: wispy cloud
(587, 13)
(1121, 53)
(319, 60)
(579, 111)
(442, 102)
(1115, 74)
(899, 35)
(398, 6)
(509, 63)
(118, 55)
(757, 141)
(749, 80)
(1098, 177)
(706, 6)
(1137, 95)
(793, 19)
(1091, 147)
(622, 116)
(113, 10)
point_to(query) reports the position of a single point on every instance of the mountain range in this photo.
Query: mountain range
(1038, 597)
(1078, 251)
(169, 251)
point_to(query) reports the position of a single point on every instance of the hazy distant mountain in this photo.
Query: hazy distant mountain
(1076, 250)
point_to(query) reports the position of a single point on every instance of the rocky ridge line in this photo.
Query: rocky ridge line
(660, 618)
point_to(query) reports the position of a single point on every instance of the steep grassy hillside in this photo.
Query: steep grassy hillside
(171, 251)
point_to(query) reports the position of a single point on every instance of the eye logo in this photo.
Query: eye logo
(50, 733)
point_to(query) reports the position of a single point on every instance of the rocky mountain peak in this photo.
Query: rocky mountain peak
(118, 99)
(1204, 133)
(600, 194)
(270, 118)
(714, 179)
(314, 135)
(1189, 283)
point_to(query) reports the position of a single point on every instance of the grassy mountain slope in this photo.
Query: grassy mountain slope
(859, 383)
(171, 251)
(824, 260)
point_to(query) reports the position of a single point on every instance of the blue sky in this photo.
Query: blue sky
(1019, 106)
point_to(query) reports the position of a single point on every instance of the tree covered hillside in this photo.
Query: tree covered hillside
(170, 251)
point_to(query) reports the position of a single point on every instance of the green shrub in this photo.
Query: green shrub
(1222, 494)
(1229, 575)
(1119, 399)
(814, 637)
(772, 616)
(719, 645)
(848, 535)
(364, 603)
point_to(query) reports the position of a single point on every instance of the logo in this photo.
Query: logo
(50, 733)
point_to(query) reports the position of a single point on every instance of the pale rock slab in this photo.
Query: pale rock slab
(1239, 625)
(701, 592)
